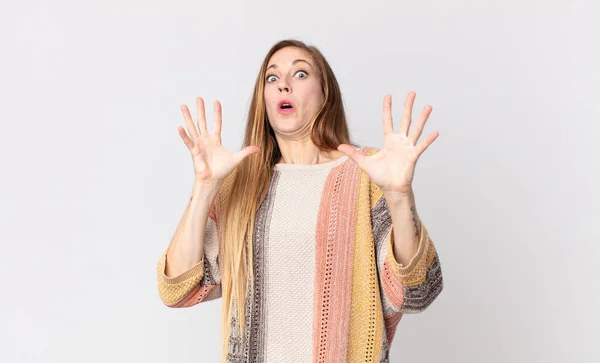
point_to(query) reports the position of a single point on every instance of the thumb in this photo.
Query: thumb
(352, 153)
(245, 152)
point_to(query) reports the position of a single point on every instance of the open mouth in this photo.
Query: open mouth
(285, 107)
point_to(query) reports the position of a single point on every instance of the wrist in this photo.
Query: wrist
(203, 188)
(398, 197)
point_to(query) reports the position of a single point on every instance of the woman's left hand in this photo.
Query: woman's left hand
(393, 167)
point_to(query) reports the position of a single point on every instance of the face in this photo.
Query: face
(291, 78)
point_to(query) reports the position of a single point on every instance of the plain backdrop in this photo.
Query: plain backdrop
(95, 178)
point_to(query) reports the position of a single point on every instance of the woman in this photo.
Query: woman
(313, 243)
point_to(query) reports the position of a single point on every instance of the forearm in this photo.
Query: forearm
(405, 225)
(187, 245)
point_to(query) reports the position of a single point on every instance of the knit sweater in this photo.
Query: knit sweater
(327, 287)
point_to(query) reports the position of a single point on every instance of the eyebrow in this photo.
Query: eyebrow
(293, 63)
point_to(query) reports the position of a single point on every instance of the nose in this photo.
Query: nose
(283, 86)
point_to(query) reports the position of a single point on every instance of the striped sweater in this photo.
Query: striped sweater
(327, 287)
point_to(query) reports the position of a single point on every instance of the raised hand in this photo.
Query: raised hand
(393, 167)
(212, 162)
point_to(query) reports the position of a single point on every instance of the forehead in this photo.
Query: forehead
(285, 56)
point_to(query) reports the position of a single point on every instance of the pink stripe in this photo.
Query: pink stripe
(392, 285)
(391, 323)
(195, 296)
(334, 248)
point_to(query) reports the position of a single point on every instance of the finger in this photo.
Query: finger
(425, 143)
(189, 123)
(417, 130)
(352, 153)
(245, 152)
(186, 140)
(388, 124)
(218, 120)
(201, 116)
(407, 112)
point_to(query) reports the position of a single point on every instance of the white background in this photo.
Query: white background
(94, 177)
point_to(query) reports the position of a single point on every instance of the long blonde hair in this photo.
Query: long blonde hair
(252, 177)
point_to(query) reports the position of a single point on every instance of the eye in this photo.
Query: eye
(303, 71)
(270, 79)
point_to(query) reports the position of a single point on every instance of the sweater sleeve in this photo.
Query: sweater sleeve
(201, 282)
(411, 288)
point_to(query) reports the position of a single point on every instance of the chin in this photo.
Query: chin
(288, 127)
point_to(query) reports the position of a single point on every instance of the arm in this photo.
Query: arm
(407, 260)
(406, 225)
(187, 246)
(187, 271)
(407, 263)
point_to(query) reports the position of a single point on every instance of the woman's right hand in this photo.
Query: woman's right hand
(212, 162)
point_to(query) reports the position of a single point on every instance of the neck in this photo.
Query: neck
(305, 152)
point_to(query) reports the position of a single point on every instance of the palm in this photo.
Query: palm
(212, 162)
(211, 159)
(393, 167)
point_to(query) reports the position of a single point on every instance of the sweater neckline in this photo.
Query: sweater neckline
(312, 167)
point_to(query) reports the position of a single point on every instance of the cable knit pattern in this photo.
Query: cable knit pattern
(326, 286)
